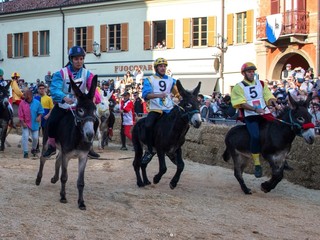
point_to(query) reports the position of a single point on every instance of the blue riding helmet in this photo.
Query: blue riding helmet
(76, 51)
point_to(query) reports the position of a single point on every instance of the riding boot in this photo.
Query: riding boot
(93, 154)
(257, 165)
(148, 155)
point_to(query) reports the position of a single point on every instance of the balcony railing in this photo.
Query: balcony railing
(293, 22)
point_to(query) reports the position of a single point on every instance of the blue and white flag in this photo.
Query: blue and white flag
(273, 27)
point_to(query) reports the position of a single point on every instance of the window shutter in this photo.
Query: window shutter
(89, 47)
(170, 34)
(186, 32)
(25, 44)
(103, 38)
(275, 6)
(212, 31)
(124, 37)
(35, 51)
(9, 45)
(230, 29)
(250, 19)
(147, 36)
(70, 38)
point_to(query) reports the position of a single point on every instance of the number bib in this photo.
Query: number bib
(66, 87)
(254, 96)
(160, 85)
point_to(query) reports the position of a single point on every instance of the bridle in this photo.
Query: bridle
(186, 113)
(298, 128)
(80, 121)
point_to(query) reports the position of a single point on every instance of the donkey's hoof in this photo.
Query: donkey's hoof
(81, 205)
(173, 185)
(140, 184)
(54, 180)
(265, 187)
(38, 181)
(63, 200)
(246, 190)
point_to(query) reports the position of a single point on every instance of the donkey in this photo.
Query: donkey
(4, 114)
(74, 139)
(276, 138)
(169, 135)
(103, 114)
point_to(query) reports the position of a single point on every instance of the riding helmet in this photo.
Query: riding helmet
(248, 66)
(15, 75)
(1, 72)
(160, 61)
(76, 51)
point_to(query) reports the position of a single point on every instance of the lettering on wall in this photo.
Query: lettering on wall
(126, 68)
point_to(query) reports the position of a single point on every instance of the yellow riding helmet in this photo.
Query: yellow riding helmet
(160, 61)
(15, 75)
(248, 66)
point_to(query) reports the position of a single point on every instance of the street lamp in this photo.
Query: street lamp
(218, 52)
(96, 51)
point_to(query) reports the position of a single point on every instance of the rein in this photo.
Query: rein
(293, 124)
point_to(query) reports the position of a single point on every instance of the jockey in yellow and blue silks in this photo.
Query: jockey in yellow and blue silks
(63, 95)
(253, 97)
(158, 90)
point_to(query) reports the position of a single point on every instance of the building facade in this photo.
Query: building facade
(202, 40)
(297, 41)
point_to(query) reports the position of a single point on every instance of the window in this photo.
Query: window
(243, 31)
(241, 27)
(114, 37)
(41, 39)
(199, 32)
(18, 45)
(81, 36)
(158, 34)
(44, 43)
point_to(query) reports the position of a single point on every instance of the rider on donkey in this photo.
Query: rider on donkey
(63, 95)
(3, 83)
(157, 89)
(253, 96)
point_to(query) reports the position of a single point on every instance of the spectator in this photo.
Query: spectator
(138, 105)
(127, 119)
(138, 74)
(30, 111)
(309, 73)
(298, 74)
(286, 73)
(17, 94)
(228, 111)
(48, 78)
(47, 105)
(201, 99)
(206, 111)
(315, 113)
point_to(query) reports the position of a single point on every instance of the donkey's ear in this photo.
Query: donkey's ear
(293, 102)
(309, 98)
(93, 86)
(75, 88)
(196, 91)
(181, 90)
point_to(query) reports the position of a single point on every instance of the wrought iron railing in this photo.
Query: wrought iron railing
(293, 22)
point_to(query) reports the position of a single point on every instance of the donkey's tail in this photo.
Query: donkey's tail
(226, 155)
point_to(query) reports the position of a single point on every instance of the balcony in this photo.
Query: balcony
(295, 26)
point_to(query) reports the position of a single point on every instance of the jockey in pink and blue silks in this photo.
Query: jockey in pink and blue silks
(63, 95)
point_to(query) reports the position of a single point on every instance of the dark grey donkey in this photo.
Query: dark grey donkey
(276, 138)
(74, 139)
